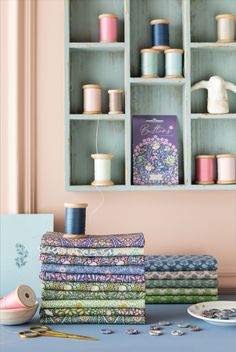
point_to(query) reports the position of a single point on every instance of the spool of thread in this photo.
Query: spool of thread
(75, 219)
(92, 99)
(205, 169)
(149, 63)
(22, 297)
(108, 27)
(115, 101)
(160, 34)
(174, 63)
(225, 28)
(102, 169)
(226, 168)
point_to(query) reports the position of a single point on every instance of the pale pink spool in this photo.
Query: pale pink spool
(92, 99)
(205, 169)
(108, 27)
(226, 168)
(22, 297)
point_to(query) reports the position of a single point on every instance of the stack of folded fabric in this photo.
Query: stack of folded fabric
(181, 279)
(92, 279)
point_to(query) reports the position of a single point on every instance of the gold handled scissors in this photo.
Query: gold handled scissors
(40, 330)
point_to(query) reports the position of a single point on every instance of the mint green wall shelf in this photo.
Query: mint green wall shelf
(117, 66)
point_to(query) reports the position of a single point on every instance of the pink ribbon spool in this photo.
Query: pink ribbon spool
(205, 169)
(108, 27)
(22, 297)
(226, 168)
(92, 99)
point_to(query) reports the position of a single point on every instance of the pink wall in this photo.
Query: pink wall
(173, 222)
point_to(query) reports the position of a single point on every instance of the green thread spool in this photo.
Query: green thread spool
(149, 63)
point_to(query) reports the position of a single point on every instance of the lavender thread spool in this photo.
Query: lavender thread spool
(75, 219)
(115, 101)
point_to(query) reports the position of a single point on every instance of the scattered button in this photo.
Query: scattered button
(194, 328)
(177, 332)
(182, 325)
(132, 331)
(155, 327)
(106, 331)
(155, 332)
(164, 323)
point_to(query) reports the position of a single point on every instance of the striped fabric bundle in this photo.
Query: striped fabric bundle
(181, 279)
(92, 279)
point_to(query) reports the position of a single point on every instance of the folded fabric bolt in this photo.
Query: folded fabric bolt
(180, 275)
(179, 299)
(70, 312)
(188, 283)
(94, 261)
(52, 294)
(181, 291)
(92, 252)
(79, 269)
(90, 277)
(135, 303)
(93, 320)
(56, 239)
(94, 286)
(180, 262)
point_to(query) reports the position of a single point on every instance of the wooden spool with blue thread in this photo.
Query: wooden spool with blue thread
(174, 63)
(160, 34)
(149, 63)
(75, 220)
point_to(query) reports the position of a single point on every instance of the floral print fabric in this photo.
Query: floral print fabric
(94, 261)
(179, 299)
(70, 312)
(56, 239)
(53, 294)
(93, 320)
(90, 277)
(134, 303)
(181, 283)
(180, 262)
(180, 275)
(181, 291)
(79, 269)
(91, 252)
(94, 286)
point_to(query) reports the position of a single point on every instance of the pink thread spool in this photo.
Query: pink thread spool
(108, 27)
(22, 297)
(92, 99)
(205, 169)
(226, 169)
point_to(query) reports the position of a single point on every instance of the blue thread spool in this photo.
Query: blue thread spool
(149, 63)
(75, 219)
(174, 63)
(160, 34)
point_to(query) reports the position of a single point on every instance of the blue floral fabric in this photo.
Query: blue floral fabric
(77, 269)
(180, 262)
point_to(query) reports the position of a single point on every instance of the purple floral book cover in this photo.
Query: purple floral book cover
(155, 150)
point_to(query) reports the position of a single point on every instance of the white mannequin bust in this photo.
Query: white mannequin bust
(217, 102)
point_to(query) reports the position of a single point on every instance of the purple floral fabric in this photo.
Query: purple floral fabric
(77, 269)
(94, 241)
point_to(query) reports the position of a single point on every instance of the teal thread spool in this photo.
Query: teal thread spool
(174, 63)
(149, 63)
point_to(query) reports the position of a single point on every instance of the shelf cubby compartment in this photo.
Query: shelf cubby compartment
(141, 13)
(84, 22)
(86, 67)
(110, 139)
(152, 100)
(212, 137)
(207, 63)
(203, 22)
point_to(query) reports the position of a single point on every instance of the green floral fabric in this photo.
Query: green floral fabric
(204, 283)
(179, 299)
(182, 275)
(53, 294)
(181, 291)
(75, 312)
(135, 303)
(93, 320)
(94, 286)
